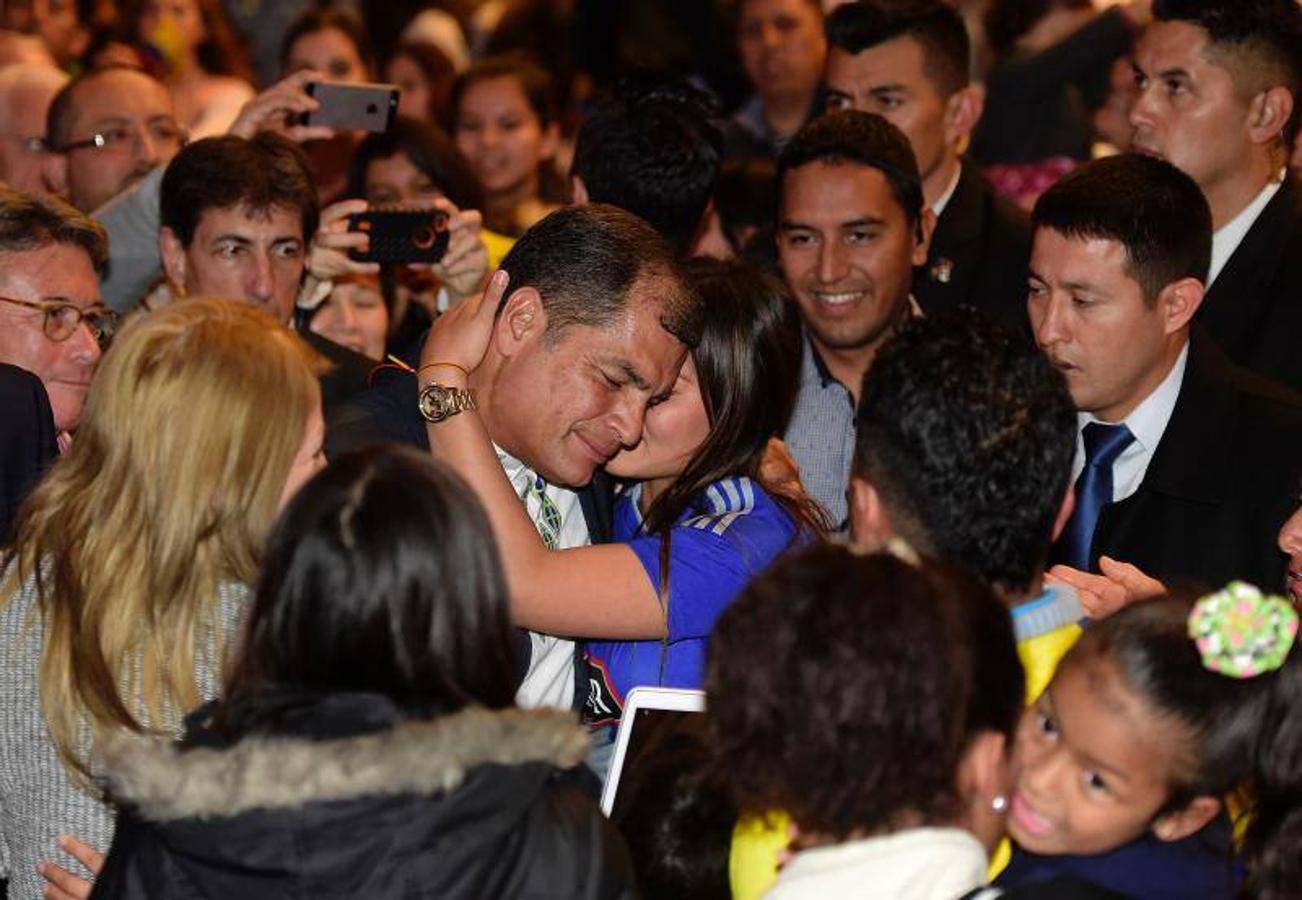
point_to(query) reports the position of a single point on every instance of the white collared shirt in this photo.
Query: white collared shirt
(550, 679)
(1228, 237)
(1147, 422)
(943, 200)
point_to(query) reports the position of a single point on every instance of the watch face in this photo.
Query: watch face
(435, 403)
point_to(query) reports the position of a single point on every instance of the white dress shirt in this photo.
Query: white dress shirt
(943, 200)
(1147, 422)
(550, 679)
(1228, 237)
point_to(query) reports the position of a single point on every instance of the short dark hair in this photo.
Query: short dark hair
(654, 150)
(1155, 211)
(32, 221)
(261, 173)
(860, 138)
(845, 689)
(59, 119)
(328, 18)
(584, 262)
(967, 432)
(430, 150)
(936, 26)
(1263, 36)
(382, 576)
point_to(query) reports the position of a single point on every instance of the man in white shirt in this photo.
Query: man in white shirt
(909, 63)
(1185, 465)
(1217, 94)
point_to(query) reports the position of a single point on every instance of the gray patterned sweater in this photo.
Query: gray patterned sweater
(39, 800)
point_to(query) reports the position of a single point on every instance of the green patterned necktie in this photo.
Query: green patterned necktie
(548, 521)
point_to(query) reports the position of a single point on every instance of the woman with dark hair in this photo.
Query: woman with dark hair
(204, 64)
(874, 699)
(333, 43)
(702, 516)
(365, 744)
(425, 76)
(505, 121)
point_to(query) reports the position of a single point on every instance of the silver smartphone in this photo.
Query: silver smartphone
(353, 107)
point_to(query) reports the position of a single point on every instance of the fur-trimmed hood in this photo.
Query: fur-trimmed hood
(163, 783)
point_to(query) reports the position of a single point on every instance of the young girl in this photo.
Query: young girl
(1155, 716)
(504, 120)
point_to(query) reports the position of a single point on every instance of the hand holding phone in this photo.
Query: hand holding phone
(402, 235)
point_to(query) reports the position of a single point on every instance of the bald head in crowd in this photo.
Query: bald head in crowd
(25, 93)
(106, 131)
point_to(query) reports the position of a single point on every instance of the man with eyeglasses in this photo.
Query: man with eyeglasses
(107, 130)
(25, 94)
(52, 322)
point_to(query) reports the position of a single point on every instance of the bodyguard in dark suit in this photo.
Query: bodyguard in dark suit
(909, 63)
(1254, 307)
(1186, 465)
(1219, 84)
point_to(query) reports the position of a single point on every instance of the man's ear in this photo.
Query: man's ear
(962, 112)
(1178, 302)
(1269, 113)
(922, 235)
(172, 252)
(521, 320)
(54, 171)
(870, 526)
(578, 190)
(1065, 509)
(1187, 820)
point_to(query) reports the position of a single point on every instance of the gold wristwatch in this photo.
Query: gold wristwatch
(437, 402)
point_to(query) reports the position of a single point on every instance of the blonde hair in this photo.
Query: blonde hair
(170, 488)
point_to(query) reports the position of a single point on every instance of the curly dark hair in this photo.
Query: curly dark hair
(967, 432)
(655, 150)
(845, 689)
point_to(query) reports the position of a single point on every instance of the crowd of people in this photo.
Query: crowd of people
(915, 378)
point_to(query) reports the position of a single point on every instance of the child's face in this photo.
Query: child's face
(1093, 764)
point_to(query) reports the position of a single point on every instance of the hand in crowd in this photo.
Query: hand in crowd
(461, 335)
(1120, 584)
(329, 257)
(62, 884)
(278, 108)
(464, 267)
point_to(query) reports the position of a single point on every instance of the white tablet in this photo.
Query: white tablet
(651, 716)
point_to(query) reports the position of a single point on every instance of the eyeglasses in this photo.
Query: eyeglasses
(121, 138)
(63, 319)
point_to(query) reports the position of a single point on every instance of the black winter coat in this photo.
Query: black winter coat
(342, 798)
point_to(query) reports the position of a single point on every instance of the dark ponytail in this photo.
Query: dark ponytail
(1272, 849)
(1244, 732)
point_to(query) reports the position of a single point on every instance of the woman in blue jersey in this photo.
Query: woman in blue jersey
(705, 508)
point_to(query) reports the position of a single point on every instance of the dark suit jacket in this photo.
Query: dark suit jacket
(346, 377)
(1254, 308)
(1221, 483)
(979, 255)
(27, 444)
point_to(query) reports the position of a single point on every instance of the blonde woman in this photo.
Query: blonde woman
(133, 556)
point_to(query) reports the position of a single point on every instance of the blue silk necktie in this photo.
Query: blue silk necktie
(1103, 444)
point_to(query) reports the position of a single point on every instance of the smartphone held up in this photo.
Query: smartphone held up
(352, 107)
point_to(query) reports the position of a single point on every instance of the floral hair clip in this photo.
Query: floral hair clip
(1241, 632)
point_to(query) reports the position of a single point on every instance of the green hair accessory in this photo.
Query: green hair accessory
(1241, 632)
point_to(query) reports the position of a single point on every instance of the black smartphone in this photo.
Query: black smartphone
(353, 107)
(402, 235)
